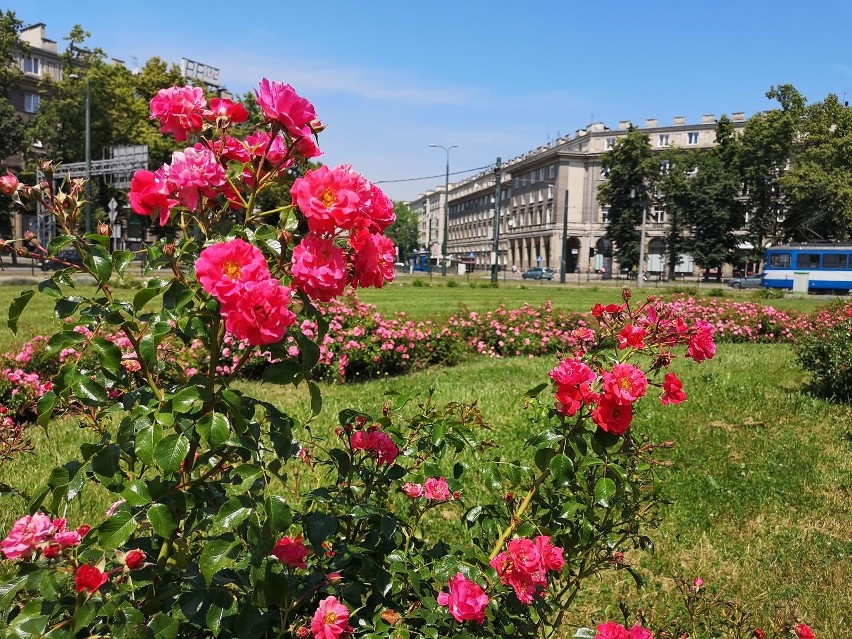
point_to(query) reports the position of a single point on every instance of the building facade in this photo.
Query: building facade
(549, 214)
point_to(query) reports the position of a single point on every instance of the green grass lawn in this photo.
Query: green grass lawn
(760, 494)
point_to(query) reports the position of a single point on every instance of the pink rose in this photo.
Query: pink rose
(67, 538)
(180, 110)
(466, 600)
(612, 416)
(8, 184)
(436, 489)
(291, 552)
(625, 383)
(150, 194)
(803, 631)
(280, 103)
(413, 490)
(223, 269)
(638, 632)
(330, 620)
(259, 314)
(611, 630)
(327, 198)
(319, 268)
(374, 259)
(701, 345)
(672, 390)
(26, 535)
(194, 172)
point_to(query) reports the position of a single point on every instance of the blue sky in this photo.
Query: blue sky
(495, 78)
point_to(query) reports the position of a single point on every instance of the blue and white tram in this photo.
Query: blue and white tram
(827, 267)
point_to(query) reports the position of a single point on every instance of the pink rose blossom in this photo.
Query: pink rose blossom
(632, 337)
(638, 632)
(573, 380)
(259, 314)
(223, 269)
(611, 630)
(701, 345)
(376, 443)
(436, 488)
(625, 383)
(67, 538)
(374, 259)
(331, 620)
(803, 631)
(327, 198)
(226, 111)
(26, 535)
(8, 183)
(319, 268)
(551, 556)
(180, 110)
(115, 506)
(280, 103)
(412, 490)
(466, 600)
(195, 172)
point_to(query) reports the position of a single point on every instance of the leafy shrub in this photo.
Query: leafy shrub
(452, 283)
(826, 353)
(419, 282)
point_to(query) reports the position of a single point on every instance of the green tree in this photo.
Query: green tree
(11, 126)
(632, 174)
(404, 231)
(678, 164)
(818, 186)
(766, 149)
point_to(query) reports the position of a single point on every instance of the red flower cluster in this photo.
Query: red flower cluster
(612, 630)
(654, 330)
(39, 532)
(375, 443)
(524, 565)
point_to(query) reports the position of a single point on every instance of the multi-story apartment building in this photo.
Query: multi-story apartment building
(549, 203)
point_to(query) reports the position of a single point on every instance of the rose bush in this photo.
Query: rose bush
(232, 519)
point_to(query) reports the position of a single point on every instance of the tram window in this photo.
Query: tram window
(834, 260)
(808, 260)
(779, 260)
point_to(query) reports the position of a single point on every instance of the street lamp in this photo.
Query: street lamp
(89, 227)
(446, 207)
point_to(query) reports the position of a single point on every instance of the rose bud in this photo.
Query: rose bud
(134, 559)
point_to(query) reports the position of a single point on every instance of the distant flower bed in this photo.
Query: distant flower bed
(356, 342)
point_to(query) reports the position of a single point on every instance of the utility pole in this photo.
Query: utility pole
(447, 149)
(495, 251)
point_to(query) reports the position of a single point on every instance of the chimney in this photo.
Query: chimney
(708, 119)
(650, 123)
(679, 120)
(623, 125)
(738, 116)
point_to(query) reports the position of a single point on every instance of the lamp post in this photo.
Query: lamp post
(564, 241)
(447, 149)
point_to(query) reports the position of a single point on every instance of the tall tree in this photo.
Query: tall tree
(632, 174)
(11, 126)
(818, 186)
(766, 149)
(404, 231)
(677, 167)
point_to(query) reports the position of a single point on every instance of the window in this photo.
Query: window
(834, 260)
(692, 137)
(31, 65)
(610, 143)
(31, 102)
(604, 215)
(807, 260)
(658, 215)
(552, 171)
(665, 165)
(664, 139)
(779, 260)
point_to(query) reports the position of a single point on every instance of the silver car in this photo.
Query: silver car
(749, 281)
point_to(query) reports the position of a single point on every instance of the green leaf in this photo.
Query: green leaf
(248, 474)
(9, 588)
(58, 243)
(185, 399)
(89, 391)
(585, 633)
(232, 513)
(85, 614)
(116, 530)
(278, 513)
(439, 431)
(319, 527)
(534, 392)
(162, 520)
(65, 339)
(562, 469)
(163, 626)
(285, 372)
(221, 606)
(316, 398)
(144, 296)
(45, 407)
(170, 452)
(148, 436)
(50, 288)
(148, 348)
(16, 308)
(121, 260)
(309, 350)
(604, 490)
(136, 493)
(99, 261)
(109, 355)
(217, 554)
(215, 429)
(67, 306)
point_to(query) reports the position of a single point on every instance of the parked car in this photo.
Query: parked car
(538, 273)
(62, 259)
(749, 281)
